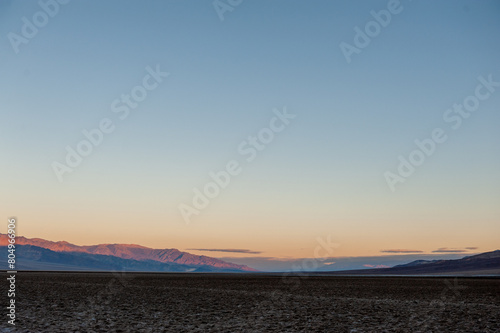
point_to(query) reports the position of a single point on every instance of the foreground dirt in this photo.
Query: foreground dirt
(106, 302)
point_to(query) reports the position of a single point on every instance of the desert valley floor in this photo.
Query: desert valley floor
(142, 302)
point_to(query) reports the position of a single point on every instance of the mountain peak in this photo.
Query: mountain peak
(133, 252)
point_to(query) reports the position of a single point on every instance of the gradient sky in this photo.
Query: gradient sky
(322, 176)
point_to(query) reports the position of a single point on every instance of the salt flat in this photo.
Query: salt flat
(162, 302)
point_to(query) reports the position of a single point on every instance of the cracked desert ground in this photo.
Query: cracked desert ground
(148, 302)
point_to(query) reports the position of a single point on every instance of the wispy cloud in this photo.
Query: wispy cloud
(228, 250)
(376, 266)
(400, 251)
(448, 250)
(455, 250)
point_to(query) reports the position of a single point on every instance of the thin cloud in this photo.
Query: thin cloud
(448, 250)
(228, 250)
(471, 248)
(328, 261)
(400, 251)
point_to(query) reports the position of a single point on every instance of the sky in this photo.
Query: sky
(306, 112)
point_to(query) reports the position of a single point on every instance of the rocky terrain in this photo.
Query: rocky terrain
(169, 302)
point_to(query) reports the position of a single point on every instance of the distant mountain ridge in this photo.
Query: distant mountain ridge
(29, 257)
(487, 255)
(418, 262)
(487, 263)
(132, 252)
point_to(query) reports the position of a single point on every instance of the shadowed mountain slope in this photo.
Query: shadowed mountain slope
(132, 252)
(487, 263)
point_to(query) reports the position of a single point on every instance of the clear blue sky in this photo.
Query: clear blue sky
(323, 175)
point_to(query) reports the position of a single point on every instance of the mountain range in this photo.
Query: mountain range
(487, 263)
(41, 254)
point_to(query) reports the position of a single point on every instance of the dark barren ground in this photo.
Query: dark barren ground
(134, 302)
